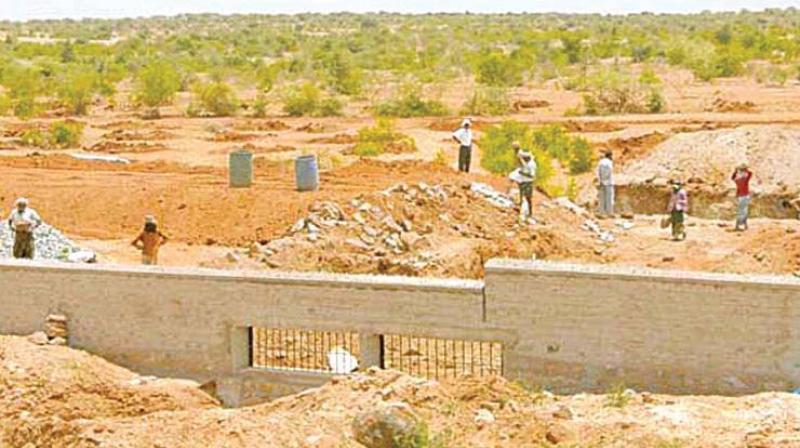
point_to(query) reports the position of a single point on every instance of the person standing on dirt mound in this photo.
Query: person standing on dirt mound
(678, 206)
(150, 241)
(23, 221)
(605, 185)
(741, 177)
(463, 136)
(524, 176)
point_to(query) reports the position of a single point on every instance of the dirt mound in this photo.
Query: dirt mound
(120, 147)
(121, 135)
(463, 412)
(634, 148)
(419, 230)
(338, 139)
(521, 105)
(232, 136)
(68, 163)
(262, 125)
(42, 386)
(451, 124)
(724, 106)
(256, 149)
(592, 126)
(709, 157)
(315, 128)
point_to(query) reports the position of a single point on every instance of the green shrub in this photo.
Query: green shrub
(499, 70)
(216, 99)
(302, 100)
(23, 85)
(487, 101)
(498, 156)
(421, 437)
(5, 104)
(308, 100)
(375, 140)
(65, 134)
(156, 85)
(33, 137)
(260, 106)
(614, 93)
(409, 103)
(76, 88)
(581, 156)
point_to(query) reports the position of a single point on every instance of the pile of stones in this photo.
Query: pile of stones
(50, 243)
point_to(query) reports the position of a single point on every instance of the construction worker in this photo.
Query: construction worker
(150, 241)
(524, 175)
(23, 221)
(463, 136)
(678, 206)
(741, 177)
(605, 185)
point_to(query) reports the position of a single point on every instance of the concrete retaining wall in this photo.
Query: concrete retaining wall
(565, 327)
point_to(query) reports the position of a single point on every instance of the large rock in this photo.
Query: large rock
(385, 425)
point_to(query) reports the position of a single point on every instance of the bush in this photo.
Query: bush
(65, 134)
(615, 93)
(215, 99)
(76, 88)
(499, 70)
(307, 99)
(5, 104)
(375, 140)
(33, 137)
(581, 158)
(498, 156)
(156, 85)
(23, 84)
(487, 101)
(409, 103)
(260, 106)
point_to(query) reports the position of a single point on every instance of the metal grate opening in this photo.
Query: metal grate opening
(294, 349)
(436, 358)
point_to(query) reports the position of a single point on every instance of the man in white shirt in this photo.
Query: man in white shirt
(605, 188)
(463, 136)
(23, 221)
(524, 176)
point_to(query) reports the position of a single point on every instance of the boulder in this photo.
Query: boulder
(385, 425)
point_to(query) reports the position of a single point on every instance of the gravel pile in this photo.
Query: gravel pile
(50, 243)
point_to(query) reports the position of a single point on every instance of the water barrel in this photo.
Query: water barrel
(306, 173)
(240, 169)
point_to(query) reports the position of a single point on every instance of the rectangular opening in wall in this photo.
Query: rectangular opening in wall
(309, 350)
(437, 358)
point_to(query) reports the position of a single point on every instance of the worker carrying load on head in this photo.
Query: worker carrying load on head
(741, 177)
(463, 136)
(150, 241)
(524, 175)
(23, 221)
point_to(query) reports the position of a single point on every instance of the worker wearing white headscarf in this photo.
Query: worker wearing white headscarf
(23, 221)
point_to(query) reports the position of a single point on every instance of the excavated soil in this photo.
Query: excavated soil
(467, 411)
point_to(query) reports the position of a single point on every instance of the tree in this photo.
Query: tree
(217, 99)
(76, 88)
(156, 85)
(23, 85)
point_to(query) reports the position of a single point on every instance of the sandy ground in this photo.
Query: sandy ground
(58, 397)
(178, 172)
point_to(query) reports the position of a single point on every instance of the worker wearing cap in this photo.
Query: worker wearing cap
(605, 187)
(150, 241)
(527, 172)
(463, 136)
(23, 221)
(741, 177)
(678, 206)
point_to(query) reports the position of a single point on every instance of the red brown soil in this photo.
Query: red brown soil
(338, 139)
(591, 126)
(451, 124)
(120, 135)
(43, 386)
(255, 149)
(262, 125)
(232, 136)
(521, 105)
(628, 149)
(325, 417)
(118, 147)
